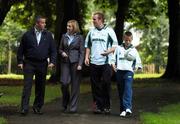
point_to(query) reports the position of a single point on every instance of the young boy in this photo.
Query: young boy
(125, 60)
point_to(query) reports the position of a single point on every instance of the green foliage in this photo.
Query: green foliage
(19, 14)
(150, 18)
(154, 43)
(108, 8)
(10, 34)
(143, 13)
(168, 115)
(26, 11)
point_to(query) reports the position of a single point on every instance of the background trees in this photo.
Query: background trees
(150, 17)
(10, 34)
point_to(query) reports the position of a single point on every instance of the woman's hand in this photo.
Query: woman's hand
(64, 55)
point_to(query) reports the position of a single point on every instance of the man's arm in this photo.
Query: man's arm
(87, 57)
(106, 52)
(53, 52)
(20, 53)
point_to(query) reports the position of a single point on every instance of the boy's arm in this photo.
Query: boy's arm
(138, 65)
(114, 60)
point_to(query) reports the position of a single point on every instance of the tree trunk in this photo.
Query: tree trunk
(4, 9)
(173, 64)
(120, 17)
(65, 12)
(9, 57)
(5, 6)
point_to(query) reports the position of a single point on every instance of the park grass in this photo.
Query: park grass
(168, 115)
(3, 120)
(12, 94)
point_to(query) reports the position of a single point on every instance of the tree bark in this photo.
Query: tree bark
(4, 9)
(173, 64)
(120, 18)
(5, 6)
(66, 10)
(9, 57)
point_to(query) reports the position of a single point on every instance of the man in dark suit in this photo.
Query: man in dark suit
(36, 47)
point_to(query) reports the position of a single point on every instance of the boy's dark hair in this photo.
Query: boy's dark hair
(128, 33)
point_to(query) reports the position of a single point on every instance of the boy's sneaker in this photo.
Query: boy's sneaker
(128, 112)
(123, 114)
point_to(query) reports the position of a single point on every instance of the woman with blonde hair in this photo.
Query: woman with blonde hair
(71, 50)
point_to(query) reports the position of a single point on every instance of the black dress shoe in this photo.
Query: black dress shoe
(37, 111)
(24, 112)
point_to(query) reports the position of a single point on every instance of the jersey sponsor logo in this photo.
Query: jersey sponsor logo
(98, 39)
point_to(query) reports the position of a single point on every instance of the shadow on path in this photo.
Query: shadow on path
(145, 100)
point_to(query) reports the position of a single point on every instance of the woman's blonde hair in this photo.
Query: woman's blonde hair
(75, 26)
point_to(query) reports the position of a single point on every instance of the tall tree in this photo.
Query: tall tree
(10, 33)
(5, 6)
(173, 64)
(4, 9)
(64, 12)
(120, 18)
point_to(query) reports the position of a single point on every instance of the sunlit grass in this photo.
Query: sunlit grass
(168, 115)
(16, 76)
(11, 76)
(141, 76)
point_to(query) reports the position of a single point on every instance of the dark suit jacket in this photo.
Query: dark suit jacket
(75, 50)
(30, 50)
